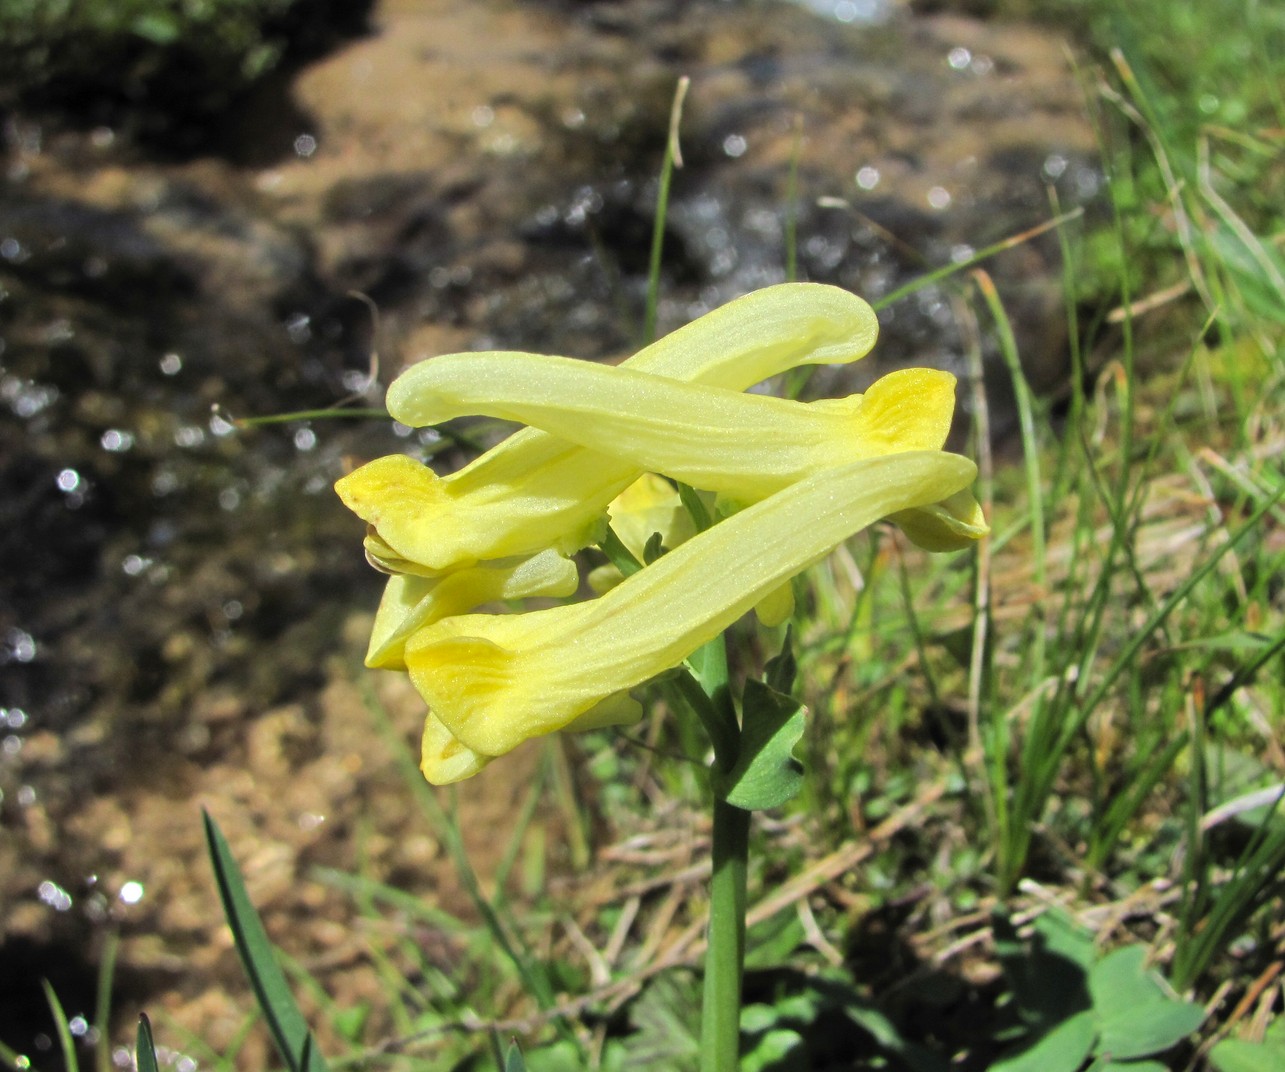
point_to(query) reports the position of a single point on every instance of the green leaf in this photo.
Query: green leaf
(778, 1050)
(1237, 1055)
(285, 1021)
(766, 773)
(1137, 1014)
(144, 1047)
(513, 1061)
(1046, 975)
(1148, 1029)
(1064, 1049)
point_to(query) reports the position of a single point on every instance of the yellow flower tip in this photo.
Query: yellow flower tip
(910, 409)
(392, 495)
(411, 603)
(953, 524)
(444, 759)
(474, 682)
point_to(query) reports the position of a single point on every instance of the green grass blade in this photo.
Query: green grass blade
(65, 1041)
(145, 1047)
(285, 1021)
(673, 158)
(103, 1003)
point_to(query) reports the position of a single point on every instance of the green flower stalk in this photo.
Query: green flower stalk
(534, 491)
(494, 681)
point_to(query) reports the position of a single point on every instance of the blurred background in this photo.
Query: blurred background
(191, 192)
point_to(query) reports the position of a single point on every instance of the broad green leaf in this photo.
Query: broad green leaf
(1137, 1014)
(1237, 1055)
(779, 1050)
(1046, 974)
(285, 1021)
(766, 773)
(1120, 981)
(1148, 1028)
(1064, 1049)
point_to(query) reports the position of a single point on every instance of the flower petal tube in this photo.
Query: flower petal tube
(744, 446)
(535, 491)
(493, 681)
(410, 602)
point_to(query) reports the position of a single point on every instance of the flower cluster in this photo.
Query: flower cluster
(789, 480)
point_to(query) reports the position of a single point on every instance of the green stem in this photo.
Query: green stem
(725, 957)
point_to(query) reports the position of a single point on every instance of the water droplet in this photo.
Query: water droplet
(229, 499)
(116, 440)
(78, 1026)
(189, 435)
(221, 426)
(11, 250)
(868, 177)
(1054, 166)
(11, 745)
(305, 439)
(938, 197)
(15, 718)
(299, 328)
(135, 565)
(961, 253)
(232, 610)
(19, 646)
(131, 892)
(54, 895)
(27, 795)
(483, 116)
(959, 58)
(305, 145)
(171, 364)
(734, 145)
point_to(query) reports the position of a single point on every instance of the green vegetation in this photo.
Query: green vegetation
(174, 60)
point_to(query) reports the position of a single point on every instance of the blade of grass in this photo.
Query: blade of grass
(145, 1047)
(103, 1004)
(289, 1029)
(65, 1041)
(673, 159)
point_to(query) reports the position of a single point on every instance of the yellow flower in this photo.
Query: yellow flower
(411, 602)
(493, 681)
(743, 446)
(535, 491)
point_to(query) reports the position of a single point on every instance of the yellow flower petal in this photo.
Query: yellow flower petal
(497, 680)
(443, 759)
(410, 602)
(534, 491)
(744, 446)
(950, 525)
